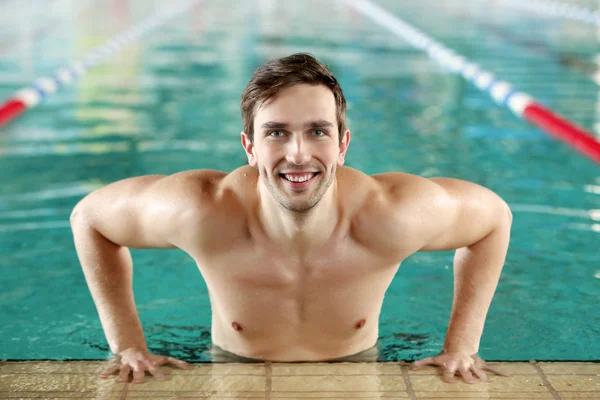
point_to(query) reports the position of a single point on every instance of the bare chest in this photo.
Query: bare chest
(332, 294)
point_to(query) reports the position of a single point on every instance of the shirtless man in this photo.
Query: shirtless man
(297, 250)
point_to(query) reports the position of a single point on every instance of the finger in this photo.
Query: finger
(448, 375)
(426, 361)
(124, 374)
(138, 372)
(138, 376)
(154, 371)
(110, 370)
(467, 375)
(494, 370)
(480, 374)
(179, 363)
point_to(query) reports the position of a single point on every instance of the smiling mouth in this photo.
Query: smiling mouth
(299, 181)
(297, 178)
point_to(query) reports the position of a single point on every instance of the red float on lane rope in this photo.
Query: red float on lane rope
(563, 130)
(29, 97)
(520, 103)
(11, 109)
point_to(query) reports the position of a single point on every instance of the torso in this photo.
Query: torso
(323, 304)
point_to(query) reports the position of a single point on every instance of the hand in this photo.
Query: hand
(139, 361)
(453, 362)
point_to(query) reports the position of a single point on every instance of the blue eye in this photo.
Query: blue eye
(317, 131)
(275, 133)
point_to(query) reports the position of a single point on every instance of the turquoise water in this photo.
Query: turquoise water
(170, 102)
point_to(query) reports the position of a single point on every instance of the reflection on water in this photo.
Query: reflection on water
(568, 212)
(401, 343)
(34, 226)
(585, 227)
(40, 212)
(36, 149)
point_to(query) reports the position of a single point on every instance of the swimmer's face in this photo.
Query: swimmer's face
(296, 137)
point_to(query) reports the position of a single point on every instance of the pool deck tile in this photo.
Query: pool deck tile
(281, 381)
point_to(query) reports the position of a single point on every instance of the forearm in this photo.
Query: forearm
(108, 271)
(477, 269)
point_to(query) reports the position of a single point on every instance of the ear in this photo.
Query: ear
(249, 148)
(344, 147)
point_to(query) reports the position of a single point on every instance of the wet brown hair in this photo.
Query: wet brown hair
(282, 73)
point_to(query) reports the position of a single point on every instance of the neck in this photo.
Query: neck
(299, 230)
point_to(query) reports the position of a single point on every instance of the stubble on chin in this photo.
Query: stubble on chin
(278, 192)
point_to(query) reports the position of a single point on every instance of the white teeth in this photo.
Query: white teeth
(300, 178)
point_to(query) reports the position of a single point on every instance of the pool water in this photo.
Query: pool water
(170, 102)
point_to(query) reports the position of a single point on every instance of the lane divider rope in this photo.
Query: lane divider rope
(31, 96)
(557, 9)
(41, 32)
(503, 93)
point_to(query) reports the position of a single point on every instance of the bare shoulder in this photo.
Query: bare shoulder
(412, 198)
(151, 211)
(429, 213)
(374, 191)
(217, 193)
(405, 189)
(212, 208)
(400, 184)
(387, 181)
(194, 181)
(185, 193)
(209, 187)
(155, 193)
(387, 206)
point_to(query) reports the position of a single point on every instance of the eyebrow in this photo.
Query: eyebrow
(321, 123)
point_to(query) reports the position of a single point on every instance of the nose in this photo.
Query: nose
(298, 152)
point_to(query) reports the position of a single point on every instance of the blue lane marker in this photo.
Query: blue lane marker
(41, 91)
(511, 92)
(58, 82)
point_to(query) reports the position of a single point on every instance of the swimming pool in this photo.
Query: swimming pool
(170, 102)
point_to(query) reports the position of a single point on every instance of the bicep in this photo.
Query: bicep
(459, 214)
(140, 212)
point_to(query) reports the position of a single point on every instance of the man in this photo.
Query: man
(297, 251)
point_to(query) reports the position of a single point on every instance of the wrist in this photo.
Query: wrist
(118, 347)
(461, 340)
(458, 351)
(458, 347)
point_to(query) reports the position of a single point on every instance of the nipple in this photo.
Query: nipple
(360, 323)
(236, 326)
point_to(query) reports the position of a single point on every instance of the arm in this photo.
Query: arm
(142, 212)
(444, 214)
(476, 222)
